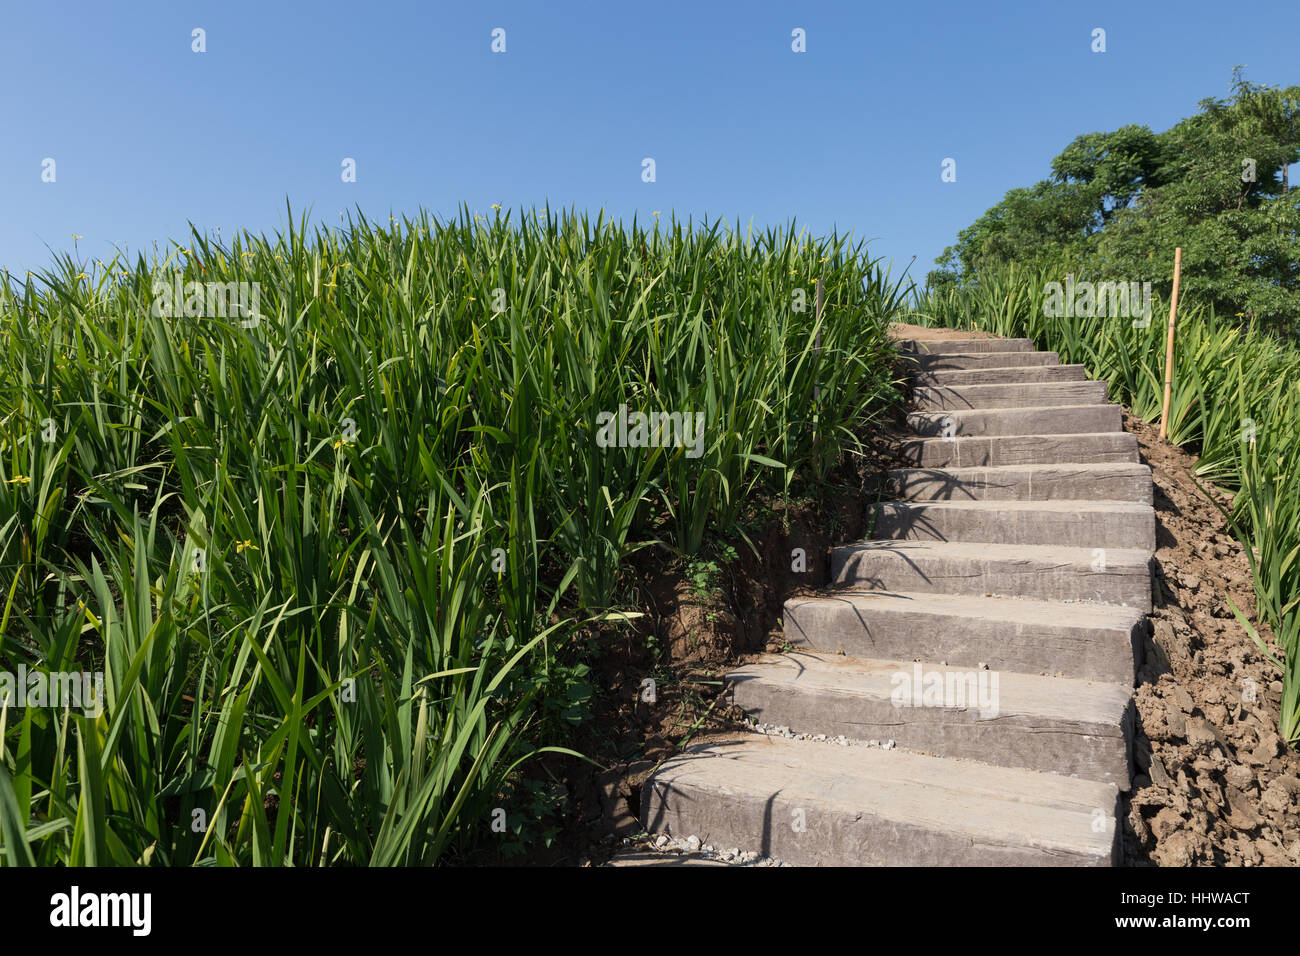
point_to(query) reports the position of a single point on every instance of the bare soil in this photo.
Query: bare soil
(1215, 784)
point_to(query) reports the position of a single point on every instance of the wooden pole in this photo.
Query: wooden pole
(1169, 343)
(817, 344)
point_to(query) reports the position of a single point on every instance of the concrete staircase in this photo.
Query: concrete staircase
(985, 639)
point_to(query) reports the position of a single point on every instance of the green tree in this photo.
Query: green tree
(1216, 184)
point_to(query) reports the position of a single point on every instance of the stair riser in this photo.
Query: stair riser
(980, 360)
(1066, 420)
(1075, 748)
(997, 376)
(995, 451)
(1040, 485)
(964, 346)
(1098, 529)
(881, 569)
(1013, 395)
(1110, 654)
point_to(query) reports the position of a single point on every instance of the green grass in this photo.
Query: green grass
(1235, 402)
(334, 564)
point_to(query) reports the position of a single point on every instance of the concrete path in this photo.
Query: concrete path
(982, 645)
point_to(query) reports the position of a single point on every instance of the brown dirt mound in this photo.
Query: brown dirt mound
(1215, 784)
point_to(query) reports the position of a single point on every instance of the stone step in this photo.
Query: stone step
(1041, 572)
(1002, 450)
(1096, 642)
(1008, 395)
(1108, 481)
(1002, 374)
(978, 360)
(819, 804)
(1054, 724)
(1038, 420)
(964, 346)
(1068, 523)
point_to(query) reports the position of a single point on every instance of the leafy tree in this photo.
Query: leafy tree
(1216, 184)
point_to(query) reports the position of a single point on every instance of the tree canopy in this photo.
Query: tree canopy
(1116, 204)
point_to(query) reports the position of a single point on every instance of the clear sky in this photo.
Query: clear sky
(148, 135)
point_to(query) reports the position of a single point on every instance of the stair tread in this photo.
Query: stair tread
(941, 412)
(1026, 553)
(1030, 695)
(959, 471)
(1010, 609)
(1059, 505)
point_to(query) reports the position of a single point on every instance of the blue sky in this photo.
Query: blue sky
(148, 135)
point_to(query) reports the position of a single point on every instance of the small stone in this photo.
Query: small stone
(1243, 778)
(1158, 775)
(661, 841)
(1276, 798)
(1242, 815)
(693, 843)
(1177, 723)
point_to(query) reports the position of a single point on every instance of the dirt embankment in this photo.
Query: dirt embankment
(1215, 783)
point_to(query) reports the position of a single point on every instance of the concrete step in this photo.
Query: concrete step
(1001, 450)
(1008, 395)
(1074, 524)
(1037, 420)
(978, 360)
(1041, 572)
(991, 376)
(1108, 481)
(964, 346)
(1096, 642)
(1054, 724)
(818, 804)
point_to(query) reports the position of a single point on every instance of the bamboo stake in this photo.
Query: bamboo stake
(817, 345)
(1169, 344)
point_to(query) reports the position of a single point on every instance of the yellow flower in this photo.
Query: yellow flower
(20, 480)
(82, 275)
(496, 205)
(247, 255)
(826, 258)
(655, 213)
(341, 442)
(74, 235)
(239, 548)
